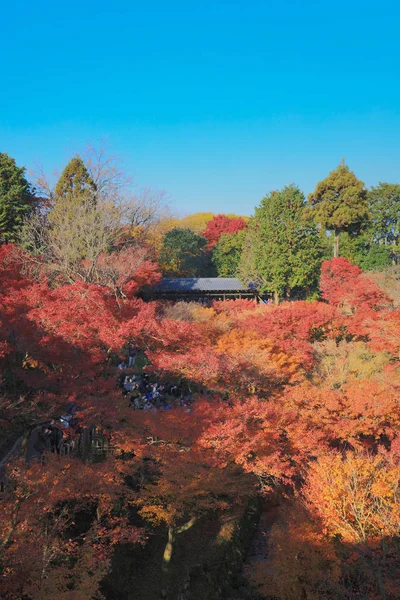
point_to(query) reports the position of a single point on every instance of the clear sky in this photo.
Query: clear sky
(216, 102)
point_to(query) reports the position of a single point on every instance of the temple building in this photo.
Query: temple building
(202, 289)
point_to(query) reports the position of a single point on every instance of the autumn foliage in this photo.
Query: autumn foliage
(222, 224)
(303, 396)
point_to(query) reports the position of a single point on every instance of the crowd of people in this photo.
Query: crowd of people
(59, 436)
(145, 395)
(62, 436)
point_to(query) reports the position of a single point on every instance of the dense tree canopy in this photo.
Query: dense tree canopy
(184, 254)
(297, 402)
(227, 252)
(339, 202)
(286, 249)
(222, 224)
(75, 183)
(362, 250)
(384, 203)
(196, 221)
(299, 392)
(16, 197)
(374, 245)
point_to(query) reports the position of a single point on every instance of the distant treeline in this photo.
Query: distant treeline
(280, 248)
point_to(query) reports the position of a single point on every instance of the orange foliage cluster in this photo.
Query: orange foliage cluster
(43, 549)
(310, 384)
(305, 394)
(357, 495)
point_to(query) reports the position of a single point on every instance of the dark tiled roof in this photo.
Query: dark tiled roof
(201, 284)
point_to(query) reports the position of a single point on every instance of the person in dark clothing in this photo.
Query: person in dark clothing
(131, 356)
(56, 437)
(42, 442)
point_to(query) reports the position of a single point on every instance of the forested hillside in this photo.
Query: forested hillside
(199, 410)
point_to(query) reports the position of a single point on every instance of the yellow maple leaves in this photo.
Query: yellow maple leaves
(357, 495)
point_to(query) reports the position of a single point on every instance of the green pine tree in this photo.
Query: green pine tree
(75, 216)
(75, 183)
(16, 198)
(282, 252)
(339, 203)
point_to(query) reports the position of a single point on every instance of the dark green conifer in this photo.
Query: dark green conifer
(339, 203)
(284, 249)
(75, 182)
(16, 197)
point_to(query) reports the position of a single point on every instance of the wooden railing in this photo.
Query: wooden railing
(90, 445)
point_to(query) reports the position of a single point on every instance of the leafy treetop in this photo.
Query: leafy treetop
(222, 224)
(183, 254)
(339, 202)
(16, 197)
(75, 181)
(227, 252)
(384, 201)
(285, 249)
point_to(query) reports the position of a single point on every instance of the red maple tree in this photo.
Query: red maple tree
(220, 224)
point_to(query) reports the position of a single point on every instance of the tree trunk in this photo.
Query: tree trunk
(168, 549)
(336, 244)
(172, 533)
(394, 253)
(85, 444)
(276, 298)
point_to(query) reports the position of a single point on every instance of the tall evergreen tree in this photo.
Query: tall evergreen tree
(284, 252)
(16, 197)
(339, 202)
(75, 183)
(75, 223)
(384, 204)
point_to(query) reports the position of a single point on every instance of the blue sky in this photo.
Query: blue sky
(215, 102)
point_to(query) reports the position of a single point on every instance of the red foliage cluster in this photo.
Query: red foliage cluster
(290, 393)
(343, 284)
(222, 224)
(57, 341)
(295, 326)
